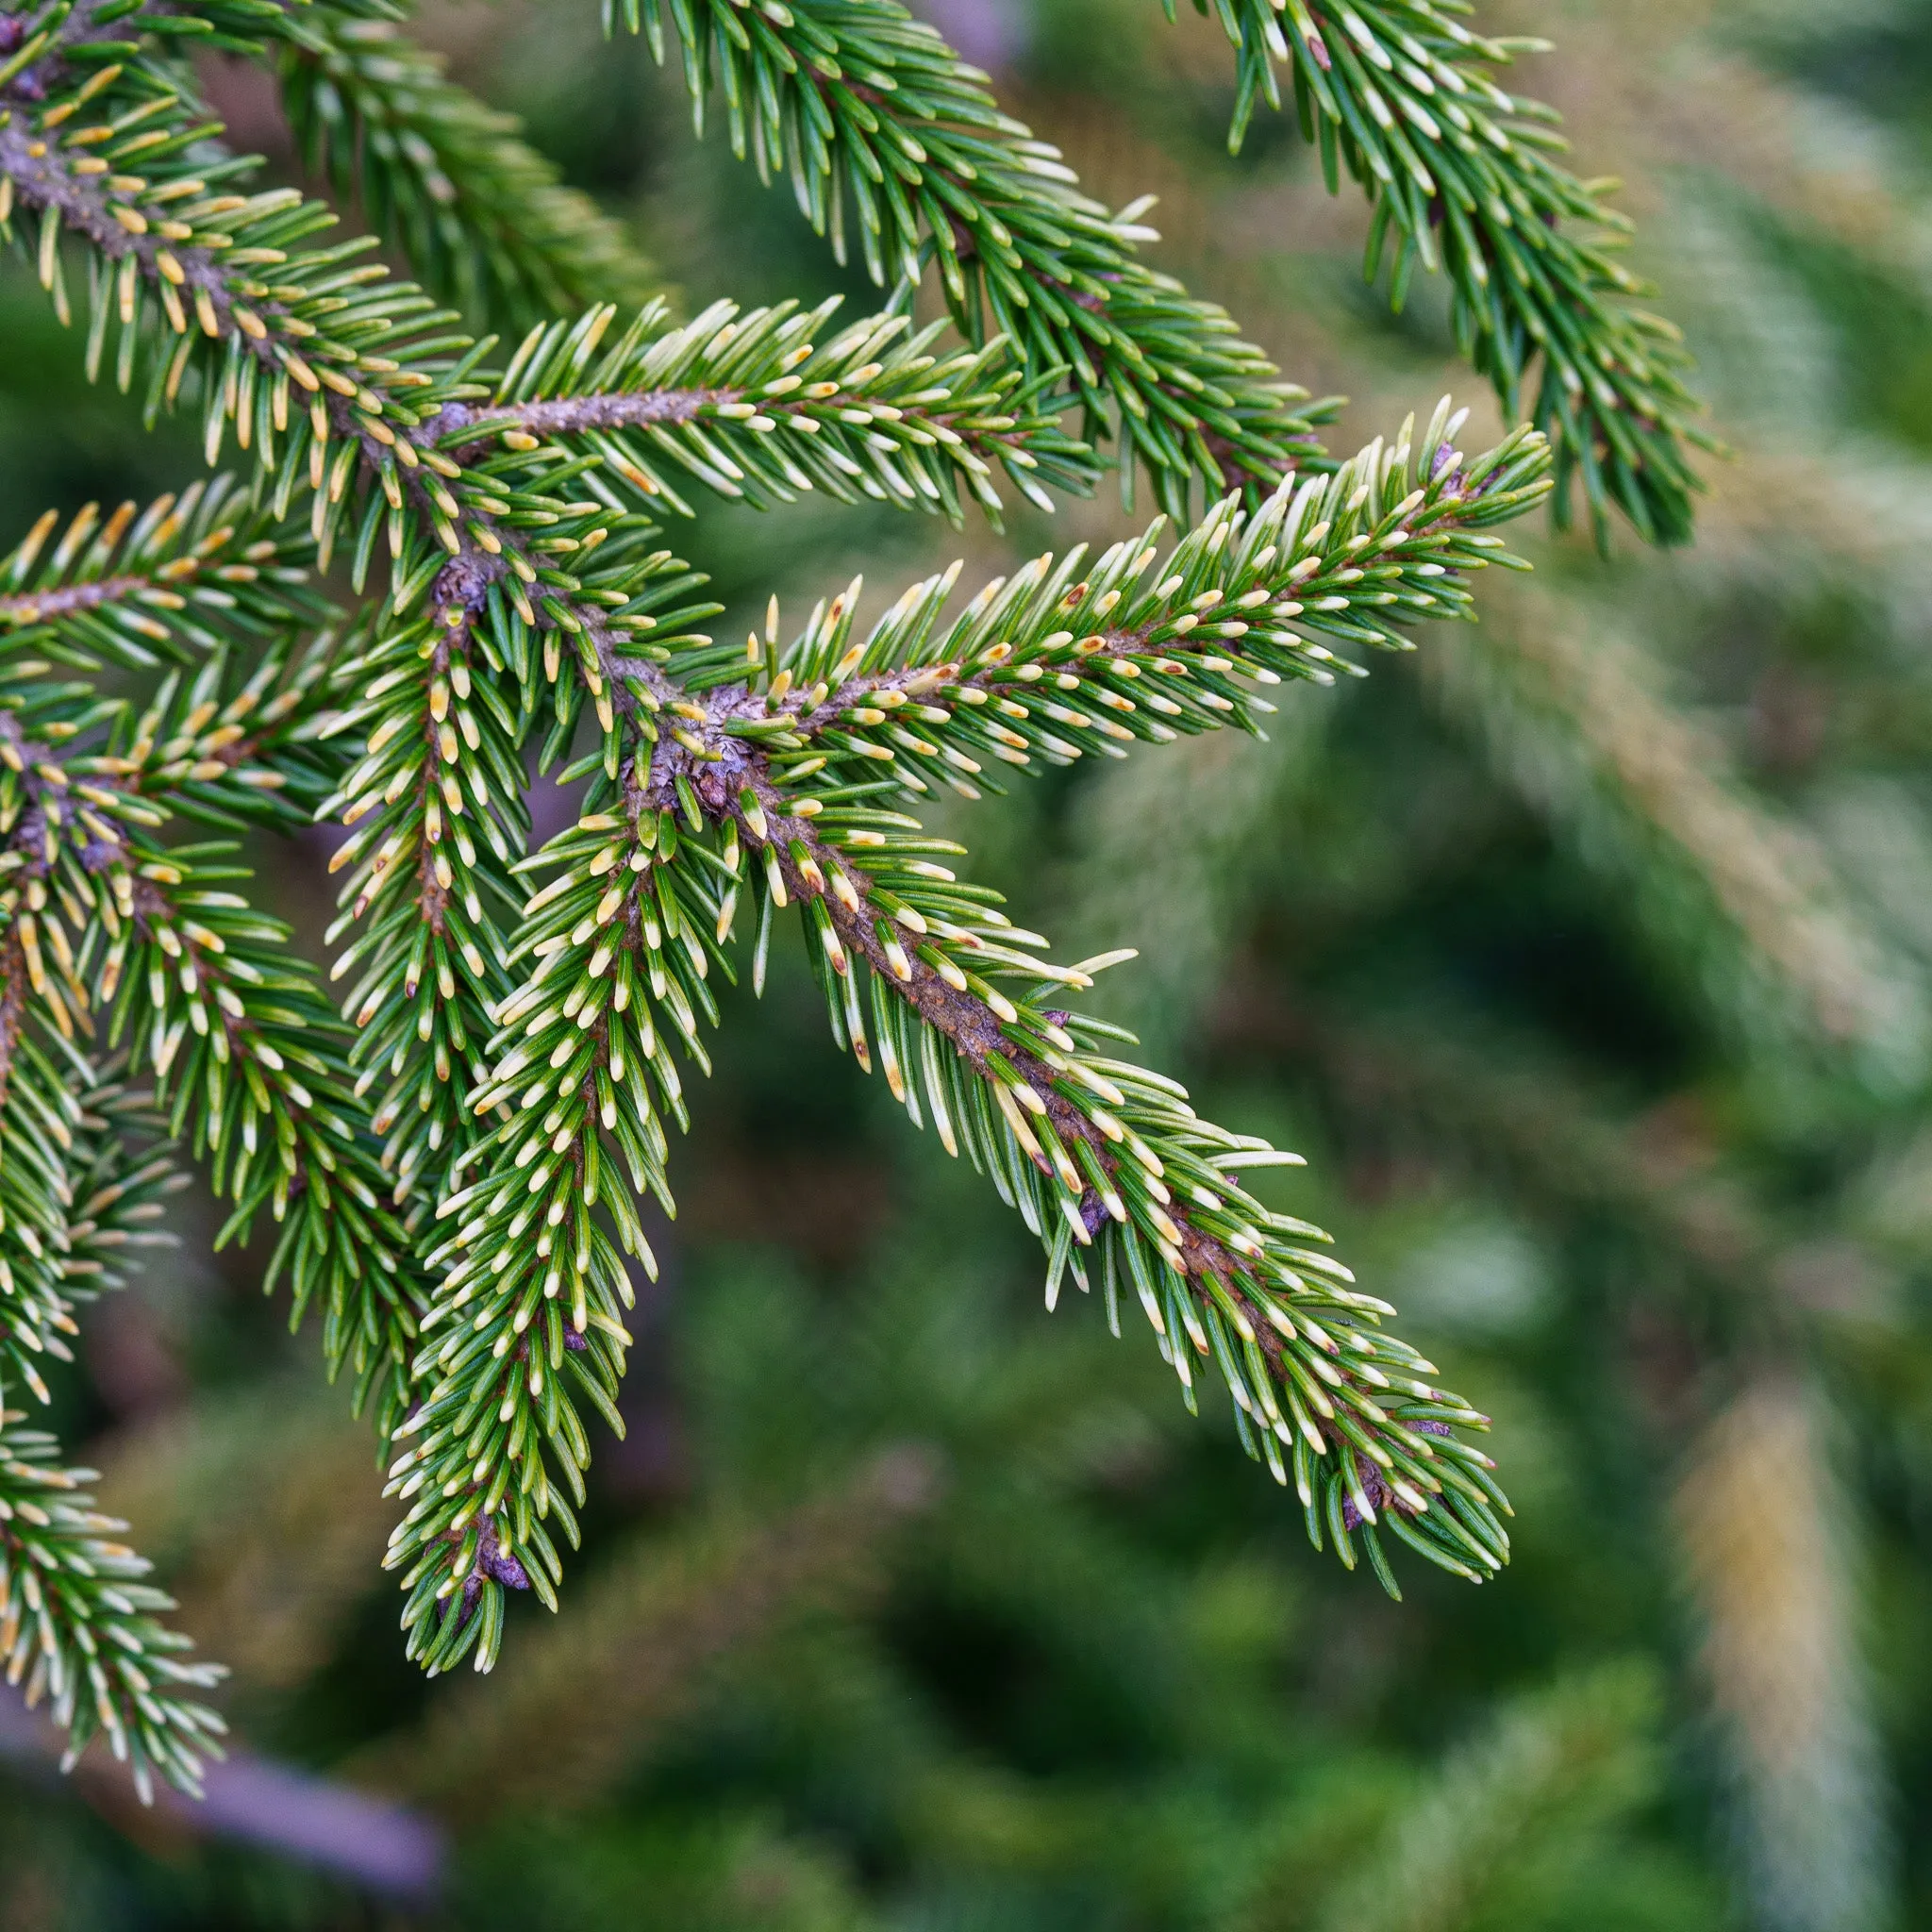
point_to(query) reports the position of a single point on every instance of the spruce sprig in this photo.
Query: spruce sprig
(81, 1188)
(80, 1626)
(456, 1174)
(759, 786)
(244, 1049)
(883, 129)
(186, 575)
(1384, 542)
(1462, 178)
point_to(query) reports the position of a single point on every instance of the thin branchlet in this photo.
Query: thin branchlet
(13, 996)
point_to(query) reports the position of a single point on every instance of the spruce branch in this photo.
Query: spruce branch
(527, 1053)
(876, 408)
(623, 941)
(861, 104)
(870, 412)
(244, 1047)
(1121, 1180)
(80, 1188)
(696, 804)
(186, 575)
(79, 1625)
(479, 215)
(203, 582)
(1383, 543)
(1463, 179)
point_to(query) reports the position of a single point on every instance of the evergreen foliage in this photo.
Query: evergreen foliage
(437, 562)
(76, 1623)
(1462, 181)
(1584, 952)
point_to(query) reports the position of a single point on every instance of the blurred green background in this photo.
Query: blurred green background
(1588, 959)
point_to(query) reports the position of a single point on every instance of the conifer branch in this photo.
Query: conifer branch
(526, 1054)
(706, 800)
(873, 412)
(1383, 543)
(481, 218)
(497, 1387)
(186, 575)
(241, 1041)
(1462, 179)
(427, 904)
(1113, 1171)
(80, 1626)
(76, 1195)
(858, 103)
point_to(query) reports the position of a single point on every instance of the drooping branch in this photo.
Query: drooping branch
(78, 1622)
(888, 137)
(1463, 177)
(1102, 1155)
